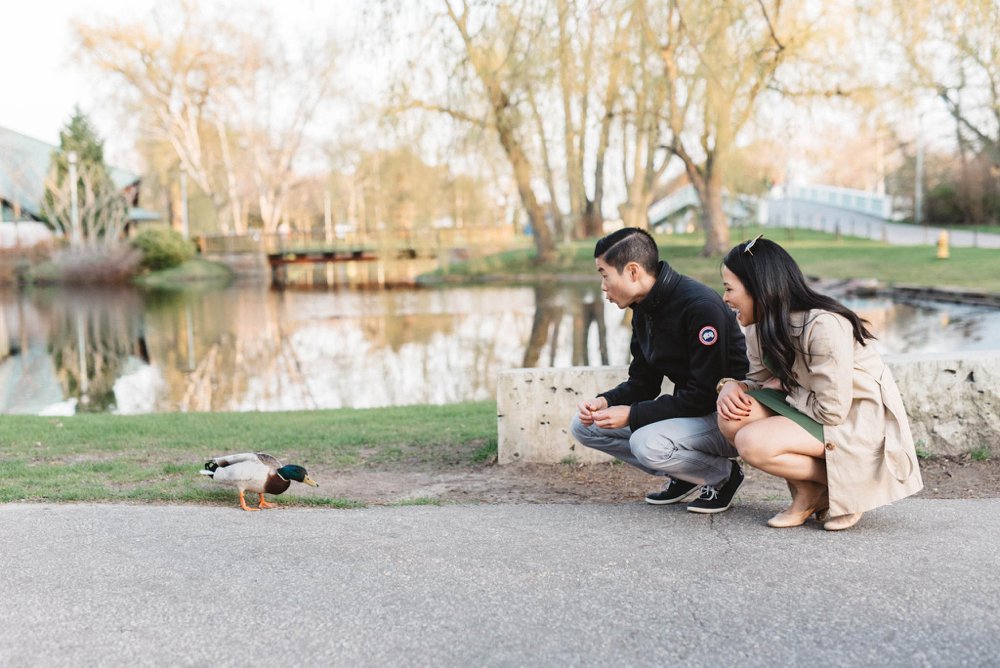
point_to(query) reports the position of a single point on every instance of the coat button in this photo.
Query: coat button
(830, 446)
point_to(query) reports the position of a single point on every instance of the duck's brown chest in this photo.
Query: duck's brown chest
(275, 484)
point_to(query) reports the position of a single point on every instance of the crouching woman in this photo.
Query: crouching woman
(819, 407)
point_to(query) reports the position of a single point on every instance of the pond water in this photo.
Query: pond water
(247, 348)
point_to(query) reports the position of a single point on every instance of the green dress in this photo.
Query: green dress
(777, 402)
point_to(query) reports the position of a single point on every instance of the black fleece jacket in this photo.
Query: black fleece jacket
(682, 330)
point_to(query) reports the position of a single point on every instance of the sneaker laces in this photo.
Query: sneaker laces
(708, 493)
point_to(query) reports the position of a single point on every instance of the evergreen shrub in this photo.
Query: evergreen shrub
(162, 248)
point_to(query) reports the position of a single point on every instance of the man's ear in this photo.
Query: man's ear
(632, 268)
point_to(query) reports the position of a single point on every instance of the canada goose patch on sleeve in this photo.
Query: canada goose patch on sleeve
(708, 335)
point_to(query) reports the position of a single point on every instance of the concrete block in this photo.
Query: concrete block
(952, 399)
(953, 402)
(534, 408)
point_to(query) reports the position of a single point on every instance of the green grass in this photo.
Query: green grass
(196, 271)
(922, 451)
(156, 458)
(819, 254)
(990, 229)
(981, 454)
(419, 501)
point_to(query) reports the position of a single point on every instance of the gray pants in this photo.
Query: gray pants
(691, 449)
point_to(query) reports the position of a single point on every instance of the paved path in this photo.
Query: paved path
(509, 585)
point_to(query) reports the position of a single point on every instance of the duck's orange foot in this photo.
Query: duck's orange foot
(265, 504)
(244, 506)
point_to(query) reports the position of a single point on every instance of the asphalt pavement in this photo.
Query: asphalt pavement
(914, 584)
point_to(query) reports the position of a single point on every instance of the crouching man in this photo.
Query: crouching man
(682, 330)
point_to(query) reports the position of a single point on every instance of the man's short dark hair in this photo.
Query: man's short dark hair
(629, 245)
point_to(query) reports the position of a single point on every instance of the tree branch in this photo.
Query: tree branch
(441, 109)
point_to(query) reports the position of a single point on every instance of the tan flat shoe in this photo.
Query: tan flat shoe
(841, 522)
(790, 518)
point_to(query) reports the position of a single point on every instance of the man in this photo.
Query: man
(681, 329)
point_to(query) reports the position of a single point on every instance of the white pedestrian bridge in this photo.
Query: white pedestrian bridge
(822, 207)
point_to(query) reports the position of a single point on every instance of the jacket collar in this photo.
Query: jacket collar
(662, 291)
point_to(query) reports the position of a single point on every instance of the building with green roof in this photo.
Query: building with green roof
(24, 165)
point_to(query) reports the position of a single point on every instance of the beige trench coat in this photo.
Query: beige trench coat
(846, 387)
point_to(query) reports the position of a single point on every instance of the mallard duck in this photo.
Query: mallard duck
(257, 472)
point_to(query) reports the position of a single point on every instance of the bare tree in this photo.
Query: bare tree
(489, 60)
(101, 209)
(718, 60)
(229, 100)
(952, 49)
(177, 70)
(641, 121)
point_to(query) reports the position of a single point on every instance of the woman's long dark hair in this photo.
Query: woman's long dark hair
(778, 288)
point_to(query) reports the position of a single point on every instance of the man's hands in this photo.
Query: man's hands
(597, 412)
(734, 402)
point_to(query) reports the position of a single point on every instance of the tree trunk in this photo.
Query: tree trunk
(550, 181)
(545, 245)
(506, 130)
(713, 217)
(544, 241)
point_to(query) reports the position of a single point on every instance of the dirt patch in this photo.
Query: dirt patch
(944, 478)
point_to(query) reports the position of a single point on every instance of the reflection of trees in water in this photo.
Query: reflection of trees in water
(591, 314)
(545, 326)
(92, 333)
(228, 350)
(586, 314)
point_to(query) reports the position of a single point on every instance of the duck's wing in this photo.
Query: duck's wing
(229, 460)
(249, 474)
(269, 460)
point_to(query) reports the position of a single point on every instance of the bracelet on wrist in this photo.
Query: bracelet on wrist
(722, 382)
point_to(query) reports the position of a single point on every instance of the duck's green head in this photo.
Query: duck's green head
(296, 472)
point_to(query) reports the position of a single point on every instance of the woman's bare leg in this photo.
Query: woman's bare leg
(730, 428)
(779, 446)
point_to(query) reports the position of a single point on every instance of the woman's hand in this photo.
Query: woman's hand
(614, 417)
(734, 402)
(586, 409)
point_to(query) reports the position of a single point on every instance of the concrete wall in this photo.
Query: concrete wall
(953, 401)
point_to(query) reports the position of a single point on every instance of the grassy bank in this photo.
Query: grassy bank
(156, 458)
(193, 272)
(819, 254)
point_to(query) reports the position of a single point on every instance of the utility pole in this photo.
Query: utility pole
(327, 217)
(918, 186)
(74, 207)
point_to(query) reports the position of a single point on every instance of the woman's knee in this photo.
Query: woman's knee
(752, 448)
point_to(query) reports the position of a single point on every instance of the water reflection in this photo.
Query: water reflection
(249, 348)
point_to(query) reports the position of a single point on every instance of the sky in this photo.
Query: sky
(41, 83)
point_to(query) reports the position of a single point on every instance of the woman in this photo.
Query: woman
(818, 407)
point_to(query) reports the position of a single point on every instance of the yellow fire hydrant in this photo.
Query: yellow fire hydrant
(942, 251)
